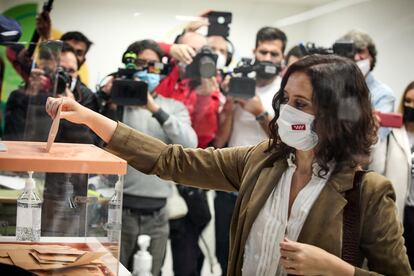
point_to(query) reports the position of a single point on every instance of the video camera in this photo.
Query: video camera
(203, 65)
(341, 48)
(244, 86)
(126, 90)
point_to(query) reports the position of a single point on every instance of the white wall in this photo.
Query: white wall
(111, 25)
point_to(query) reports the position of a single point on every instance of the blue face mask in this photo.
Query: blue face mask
(151, 79)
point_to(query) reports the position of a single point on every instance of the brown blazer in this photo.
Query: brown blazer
(251, 172)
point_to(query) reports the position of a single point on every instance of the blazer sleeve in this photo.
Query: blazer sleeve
(209, 168)
(382, 242)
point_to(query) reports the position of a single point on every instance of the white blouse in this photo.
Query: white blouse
(262, 251)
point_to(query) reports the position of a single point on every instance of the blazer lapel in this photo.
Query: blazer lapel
(323, 226)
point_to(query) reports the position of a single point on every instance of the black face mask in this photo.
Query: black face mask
(408, 114)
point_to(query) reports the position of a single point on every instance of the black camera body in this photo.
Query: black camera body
(244, 86)
(63, 80)
(204, 65)
(129, 92)
(126, 90)
(341, 48)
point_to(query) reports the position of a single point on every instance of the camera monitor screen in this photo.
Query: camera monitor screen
(129, 92)
(242, 87)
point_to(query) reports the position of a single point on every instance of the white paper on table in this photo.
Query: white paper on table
(12, 182)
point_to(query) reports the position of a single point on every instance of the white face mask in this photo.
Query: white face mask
(221, 60)
(295, 128)
(364, 65)
(73, 84)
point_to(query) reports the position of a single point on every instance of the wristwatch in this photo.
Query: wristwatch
(262, 116)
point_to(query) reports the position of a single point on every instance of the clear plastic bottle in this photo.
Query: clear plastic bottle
(143, 259)
(115, 214)
(29, 212)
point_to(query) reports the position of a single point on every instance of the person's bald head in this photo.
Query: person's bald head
(194, 40)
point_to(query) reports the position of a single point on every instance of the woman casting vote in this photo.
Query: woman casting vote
(304, 207)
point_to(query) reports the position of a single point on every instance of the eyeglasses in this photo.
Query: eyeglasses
(139, 62)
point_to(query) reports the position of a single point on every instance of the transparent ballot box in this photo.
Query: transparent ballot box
(61, 211)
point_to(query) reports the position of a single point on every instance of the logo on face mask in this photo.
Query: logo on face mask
(295, 128)
(299, 127)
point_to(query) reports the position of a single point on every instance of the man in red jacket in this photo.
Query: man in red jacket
(201, 97)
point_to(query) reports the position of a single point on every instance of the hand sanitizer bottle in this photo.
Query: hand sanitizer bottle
(29, 212)
(115, 214)
(143, 259)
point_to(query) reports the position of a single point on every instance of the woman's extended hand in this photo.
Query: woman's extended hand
(305, 259)
(71, 110)
(78, 114)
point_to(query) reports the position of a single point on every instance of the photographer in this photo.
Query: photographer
(26, 120)
(220, 45)
(382, 97)
(34, 93)
(250, 118)
(145, 196)
(200, 96)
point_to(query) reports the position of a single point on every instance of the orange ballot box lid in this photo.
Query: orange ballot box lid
(62, 158)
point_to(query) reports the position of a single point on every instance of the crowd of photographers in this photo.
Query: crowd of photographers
(195, 100)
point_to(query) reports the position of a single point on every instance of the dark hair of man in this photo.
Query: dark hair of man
(141, 45)
(344, 118)
(295, 51)
(271, 33)
(77, 36)
(409, 87)
(66, 48)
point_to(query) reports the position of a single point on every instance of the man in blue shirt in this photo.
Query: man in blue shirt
(382, 97)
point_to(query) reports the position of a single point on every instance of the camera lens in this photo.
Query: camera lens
(63, 80)
(207, 67)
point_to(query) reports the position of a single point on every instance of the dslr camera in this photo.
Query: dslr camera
(63, 80)
(126, 90)
(244, 86)
(203, 65)
(341, 48)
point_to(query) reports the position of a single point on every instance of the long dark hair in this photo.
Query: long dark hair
(344, 118)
